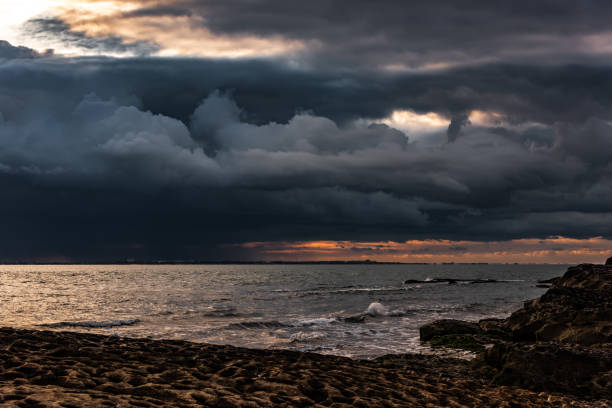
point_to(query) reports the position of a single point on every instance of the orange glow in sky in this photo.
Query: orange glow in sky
(557, 249)
(174, 35)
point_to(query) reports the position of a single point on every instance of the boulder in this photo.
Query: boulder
(553, 367)
(447, 326)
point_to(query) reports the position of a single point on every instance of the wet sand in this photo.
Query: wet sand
(63, 369)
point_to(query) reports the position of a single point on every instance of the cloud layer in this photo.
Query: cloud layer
(177, 158)
(392, 35)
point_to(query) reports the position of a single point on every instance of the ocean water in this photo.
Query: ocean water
(297, 307)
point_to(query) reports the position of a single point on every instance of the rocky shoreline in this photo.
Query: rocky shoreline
(554, 352)
(560, 342)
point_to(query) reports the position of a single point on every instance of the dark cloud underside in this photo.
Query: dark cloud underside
(415, 33)
(105, 158)
(8, 51)
(362, 33)
(172, 158)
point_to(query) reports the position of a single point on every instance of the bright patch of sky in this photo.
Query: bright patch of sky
(13, 13)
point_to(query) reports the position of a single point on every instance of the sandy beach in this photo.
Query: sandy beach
(62, 369)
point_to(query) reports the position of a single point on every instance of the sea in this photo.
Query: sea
(354, 310)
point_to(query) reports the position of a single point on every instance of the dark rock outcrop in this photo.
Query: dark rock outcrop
(560, 342)
(494, 329)
(446, 327)
(553, 367)
(576, 309)
(547, 283)
(458, 334)
(563, 340)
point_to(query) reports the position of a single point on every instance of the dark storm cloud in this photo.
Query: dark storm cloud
(417, 33)
(457, 123)
(54, 29)
(272, 91)
(158, 11)
(8, 51)
(104, 158)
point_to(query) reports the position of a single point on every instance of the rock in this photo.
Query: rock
(360, 318)
(494, 328)
(467, 342)
(576, 309)
(547, 283)
(553, 367)
(457, 334)
(609, 261)
(561, 342)
(446, 327)
(588, 276)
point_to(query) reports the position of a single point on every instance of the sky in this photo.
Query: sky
(436, 131)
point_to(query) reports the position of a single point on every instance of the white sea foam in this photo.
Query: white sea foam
(376, 309)
(400, 313)
(301, 336)
(316, 321)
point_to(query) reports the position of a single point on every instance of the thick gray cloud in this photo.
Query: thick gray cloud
(8, 51)
(393, 34)
(172, 158)
(217, 124)
(270, 90)
(416, 33)
(457, 123)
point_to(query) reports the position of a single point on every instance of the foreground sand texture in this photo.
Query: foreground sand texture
(55, 369)
(554, 352)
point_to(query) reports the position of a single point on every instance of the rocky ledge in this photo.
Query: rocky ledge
(560, 342)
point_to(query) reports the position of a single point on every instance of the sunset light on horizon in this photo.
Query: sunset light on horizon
(552, 250)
